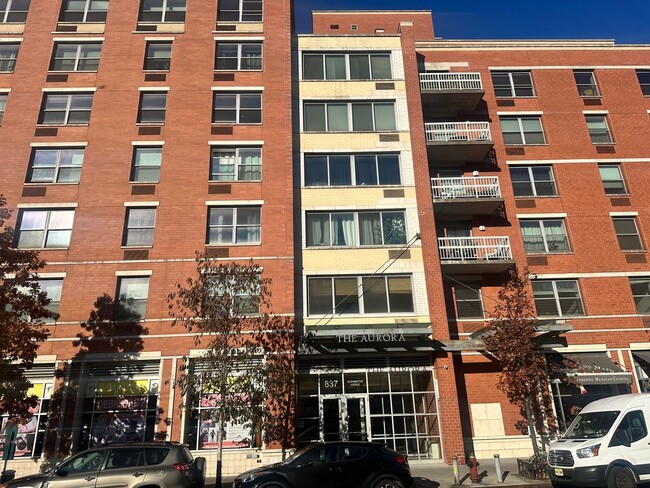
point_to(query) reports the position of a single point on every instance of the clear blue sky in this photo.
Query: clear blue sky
(626, 21)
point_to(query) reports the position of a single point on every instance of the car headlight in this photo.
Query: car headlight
(588, 452)
(255, 475)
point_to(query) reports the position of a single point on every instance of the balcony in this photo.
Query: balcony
(450, 93)
(475, 255)
(474, 195)
(458, 141)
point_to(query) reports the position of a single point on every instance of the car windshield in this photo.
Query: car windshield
(299, 453)
(591, 425)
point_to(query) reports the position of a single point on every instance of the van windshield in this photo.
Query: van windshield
(591, 425)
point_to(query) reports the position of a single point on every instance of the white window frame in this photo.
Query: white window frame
(533, 181)
(135, 165)
(46, 230)
(234, 226)
(149, 229)
(346, 56)
(354, 181)
(621, 179)
(586, 86)
(241, 13)
(153, 59)
(237, 163)
(238, 109)
(86, 11)
(163, 13)
(8, 65)
(68, 109)
(142, 110)
(474, 286)
(58, 165)
(544, 237)
(645, 280)
(350, 118)
(513, 88)
(556, 297)
(3, 105)
(356, 242)
(522, 132)
(240, 45)
(80, 48)
(636, 234)
(118, 296)
(4, 14)
(598, 132)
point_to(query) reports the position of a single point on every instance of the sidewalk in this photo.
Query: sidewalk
(436, 474)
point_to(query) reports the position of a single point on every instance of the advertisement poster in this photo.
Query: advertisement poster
(118, 419)
(234, 435)
(28, 430)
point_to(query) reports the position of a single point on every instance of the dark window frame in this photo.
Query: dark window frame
(69, 109)
(142, 234)
(347, 65)
(254, 114)
(153, 63)
(523, 133)
(643, 76)
(325, 124)
(384, 172)
(533, 182)
(79, 60)
(559, 300)
(154, 114)
(628, 241)
(256, 62)
(586, 83)
(245, 11)
(642, 283)
(137, 166)
(166, 14)
(88, 15)
(515, 88)
(472, 302)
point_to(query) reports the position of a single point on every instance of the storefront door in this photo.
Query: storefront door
(345, 418)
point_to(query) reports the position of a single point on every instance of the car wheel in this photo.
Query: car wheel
(620, 477)
(388, 483)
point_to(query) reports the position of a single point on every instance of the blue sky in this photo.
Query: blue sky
(626, 21)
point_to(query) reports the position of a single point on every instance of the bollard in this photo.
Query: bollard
(454, 467)
(497, 465)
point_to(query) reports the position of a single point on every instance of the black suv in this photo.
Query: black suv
(334, 464)
(130, 465)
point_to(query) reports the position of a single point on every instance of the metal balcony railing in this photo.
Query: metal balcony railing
(450, 81)
(458, 131)
(472, 249)
(465, 187)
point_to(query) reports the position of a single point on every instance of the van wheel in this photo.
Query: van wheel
(387, 483)
(620, 477)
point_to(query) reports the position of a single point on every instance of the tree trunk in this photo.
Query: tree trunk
(220, 426)
(531, 426)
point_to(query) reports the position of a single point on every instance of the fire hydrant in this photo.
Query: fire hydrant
(472, 463)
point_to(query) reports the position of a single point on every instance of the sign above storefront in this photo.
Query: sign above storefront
(358, 338)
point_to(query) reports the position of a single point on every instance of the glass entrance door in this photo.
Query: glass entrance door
(344, 418)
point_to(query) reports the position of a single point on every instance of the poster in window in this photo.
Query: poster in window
(28, 430)
(235, 435)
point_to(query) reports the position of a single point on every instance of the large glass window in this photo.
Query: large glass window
(66, 109)
(139, 227)
(158, 56)
(544, 236)
(70, 56)
(238, 56)
(557, 298)
(146, 164)
(612, 178)
(598, 129)
(522, 130)
(238, 225)
(54, 165)
(469, 300)
(627, 234)
(586, 83)
(84, 11)
(13, 10)
(643, 76)
(532, 181)
(153, 106)
(239, 11)
(351, 229)
(237, 108)
(510, 84)
(45, 229)
(352, 169)
(8, 56)
(359, 294)
(340, 66)
(641, 292)
(344, 116)
(236, 164)
(162, 11)
(132, 293)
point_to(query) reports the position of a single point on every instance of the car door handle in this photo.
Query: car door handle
(89, 478)
(137, 474)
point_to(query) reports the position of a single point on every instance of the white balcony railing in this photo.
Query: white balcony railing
(450, 81)
(473, 249)
(457, 131)
(470, 187)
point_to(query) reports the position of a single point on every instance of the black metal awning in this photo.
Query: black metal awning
(592, 368)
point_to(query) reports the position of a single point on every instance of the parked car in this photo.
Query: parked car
(334, 465)
(129, 465)
(606, 445)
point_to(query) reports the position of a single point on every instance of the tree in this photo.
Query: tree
(246, 370)
(23, 310)
(511, 339)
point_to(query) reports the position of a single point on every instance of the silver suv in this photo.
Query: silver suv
(131, 465)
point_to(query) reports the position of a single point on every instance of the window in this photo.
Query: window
(612, 178)
(359, 295)
(341, 116)
(239, 11)
(66, 109)
(153, 106)
(3, 105)
(644, 81)
(351, 229)
(627, 234)
(352, 169)
(131, 303)
(511, 84)
(237, 108)
(45, 229)
(598, 129)
(631, 429)
(124, 458)
(52, 165)
(238, 225)
(532, 181)
(235, 56)
(70, 56)
(641, 293)
(557, 298)
(139, 227)
(358, 66)
(544, 236)
(146, 164)
(586, 83)
(522, 130)
(13, 10)
(239, 298)
(52, 288)
(8, 55)
(162, 11)
(158, 56)
(236, 164)
(469, 301)
(84, 11)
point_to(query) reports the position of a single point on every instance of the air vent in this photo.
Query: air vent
(388, 137)
(219, 189)
(635, 258)
(34, 191)
(393, 193)
(515, 151)
(620, 202)
(334, 26)
(537, 261)
(143, 190)
(40, 371)
(136, 255)
(592, 101)
(155, 77)
(56, 78)
(217, 252)
(46, 131)
(226, 28)
(125, 368)
(147, 28)
(527, 203)
(224, 77)
(384, 86)
(66, 28)
(396, 254)
(221, 131)
(605, 149)
(505, 103)
(149, 131)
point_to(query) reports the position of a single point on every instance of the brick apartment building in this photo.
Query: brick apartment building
(386, 183)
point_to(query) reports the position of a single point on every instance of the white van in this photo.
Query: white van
(607, 445)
